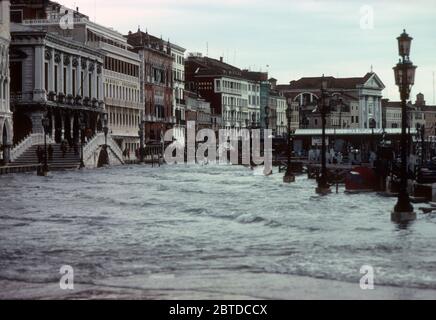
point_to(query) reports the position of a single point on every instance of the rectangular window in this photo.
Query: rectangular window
(90, 85)
(74, 83)
(98, 87)
(46, 76)
(56, 79)
(65, 80)
(81, 83)
(16, 16)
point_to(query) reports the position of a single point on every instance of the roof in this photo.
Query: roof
(428, 108)
(332, 82)
(142, 39)
(209, 66)
(386, 103)
(347, 132)
(255, 76)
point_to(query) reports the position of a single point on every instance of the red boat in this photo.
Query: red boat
(361, 179)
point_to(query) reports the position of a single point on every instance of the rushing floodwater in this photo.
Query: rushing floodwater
(135, 221)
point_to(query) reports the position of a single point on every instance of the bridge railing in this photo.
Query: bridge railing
(96, 142)
(25, 144)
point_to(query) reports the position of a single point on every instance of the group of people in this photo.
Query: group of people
(332, 157)
(65, 146)
(355, 156)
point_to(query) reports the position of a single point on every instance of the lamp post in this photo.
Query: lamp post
(141, 140)
(420, 132)
(267, 110)
(289, 177)
(82, 136)
(323, 185)
(372, 126)
(404, 79)
(105, 129)
(45, 124)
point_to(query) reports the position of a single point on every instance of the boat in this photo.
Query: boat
(360, 179)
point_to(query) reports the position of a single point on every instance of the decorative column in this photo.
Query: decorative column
(49, 55)
(94, 82)
(61, 74)
(86, 92)
(69, 80)
(62, 126)
(72, 127)
(36, 118)
(39, 94)
(79, 83)
(100, 83)
(53, 125)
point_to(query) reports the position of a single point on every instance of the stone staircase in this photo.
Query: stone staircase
(70, 161)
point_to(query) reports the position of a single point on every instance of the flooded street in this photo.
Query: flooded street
(202, 229)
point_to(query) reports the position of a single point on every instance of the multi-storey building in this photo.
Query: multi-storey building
(198, 110)
(255, 80)
(53, 76)
(6, 132)
(429, 115)
(361, 101)
(418, 114)
(282, 120)
(179, 99)
(223, 86)
(391, 114)
(118, 82)
(156, 76)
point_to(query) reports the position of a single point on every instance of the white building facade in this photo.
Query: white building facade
(282, 120)
(117, 84)
(179, 99)
(253, 103)
(370, 102)
(6, 132)
(56, 78)
(234, 95)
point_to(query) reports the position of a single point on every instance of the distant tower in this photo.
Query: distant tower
(420, 102)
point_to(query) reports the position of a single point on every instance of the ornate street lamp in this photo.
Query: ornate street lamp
(45, 124)
(323, 185)
(105, 129)
(141, 139)
(82, 125)
(289, 177)
(420, 133)
(404, 78)
(372, 126)
(267, 110)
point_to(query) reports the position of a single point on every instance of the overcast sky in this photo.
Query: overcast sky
(295, 38)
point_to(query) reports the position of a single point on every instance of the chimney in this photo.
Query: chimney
(221, 59)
